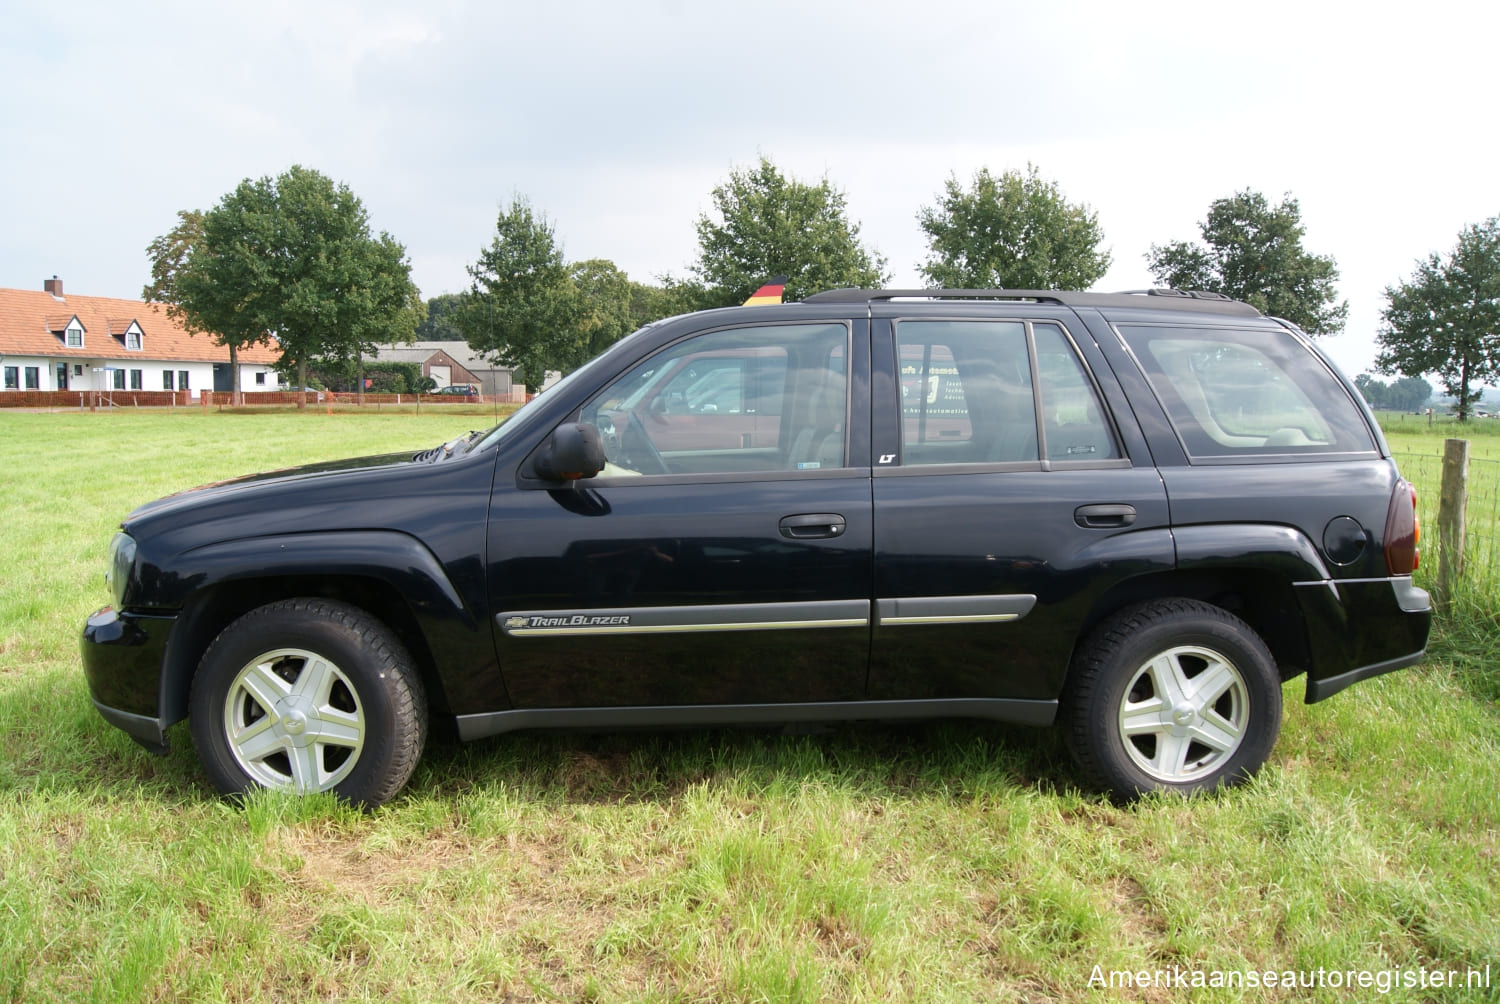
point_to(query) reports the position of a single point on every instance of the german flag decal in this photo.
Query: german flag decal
(769, 293)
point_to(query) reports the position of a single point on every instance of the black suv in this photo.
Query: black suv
(1132, 514)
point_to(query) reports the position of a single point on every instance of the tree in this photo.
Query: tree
(522, 307)
(604, 298)
(672, 297)
(1445, 320)
(337, 289)
(216, 286)
(290, 258)
(1015, 231)
(765, 224)
(438, 325)
(381, 306)
(1253, 252)
(168, 254)
(1406, 394)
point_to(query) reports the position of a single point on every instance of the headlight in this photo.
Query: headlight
(121, 558)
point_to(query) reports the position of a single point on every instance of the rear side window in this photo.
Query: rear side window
(972, 392)
(1258, 392)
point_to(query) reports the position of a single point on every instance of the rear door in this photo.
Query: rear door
(724, 554)
(1006, 500)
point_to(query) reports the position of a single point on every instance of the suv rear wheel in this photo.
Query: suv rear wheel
(308, 695)
(1173, 695)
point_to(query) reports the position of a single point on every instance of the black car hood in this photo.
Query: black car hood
(273, 483)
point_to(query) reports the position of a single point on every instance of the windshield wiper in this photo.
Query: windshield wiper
(446, 450)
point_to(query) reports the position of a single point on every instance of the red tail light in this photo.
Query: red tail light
(1401, 531)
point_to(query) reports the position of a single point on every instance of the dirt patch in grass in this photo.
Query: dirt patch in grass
(517, 900)
(1140, 922)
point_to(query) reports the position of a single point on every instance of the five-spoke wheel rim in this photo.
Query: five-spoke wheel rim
(293, 721)
(1184, 713)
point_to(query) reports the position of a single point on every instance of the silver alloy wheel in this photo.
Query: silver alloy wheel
(1184, 713)
(293, 721)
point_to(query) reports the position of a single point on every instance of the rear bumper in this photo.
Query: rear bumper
(1361, 629)
(122, 661)
(1317, 690)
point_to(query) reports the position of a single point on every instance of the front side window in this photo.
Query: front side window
(769, 398)
(972, 391)
(1254, 392)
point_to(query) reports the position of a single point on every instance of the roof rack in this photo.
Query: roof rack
(1179, 299)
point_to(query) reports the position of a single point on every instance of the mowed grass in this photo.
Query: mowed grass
(872, 862)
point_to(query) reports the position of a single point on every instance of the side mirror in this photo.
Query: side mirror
(574, 451)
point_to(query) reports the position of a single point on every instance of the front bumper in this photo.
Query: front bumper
(122, 661)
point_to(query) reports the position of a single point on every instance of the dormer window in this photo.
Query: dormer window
(67, 327)
(128, 332)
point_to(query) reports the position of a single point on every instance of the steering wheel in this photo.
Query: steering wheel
(640, 453)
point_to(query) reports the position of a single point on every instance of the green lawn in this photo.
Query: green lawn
(943, 862)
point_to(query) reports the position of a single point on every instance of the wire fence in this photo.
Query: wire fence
(1482, 522)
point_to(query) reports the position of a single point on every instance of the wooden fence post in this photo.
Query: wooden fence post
(1453, 505)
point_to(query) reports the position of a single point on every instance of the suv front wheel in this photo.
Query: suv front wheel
(308, 695)
(1173, 695)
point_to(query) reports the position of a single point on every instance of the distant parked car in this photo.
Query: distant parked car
(466, 389)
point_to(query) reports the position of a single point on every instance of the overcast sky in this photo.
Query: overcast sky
(617, 119)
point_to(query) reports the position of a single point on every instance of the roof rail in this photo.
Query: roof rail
(1169, 298)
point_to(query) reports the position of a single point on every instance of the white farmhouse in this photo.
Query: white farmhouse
(50, 342)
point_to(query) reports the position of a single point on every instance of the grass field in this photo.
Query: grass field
(938, 862)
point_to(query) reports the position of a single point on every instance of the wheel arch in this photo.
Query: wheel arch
(390, 576)
(1263, 599)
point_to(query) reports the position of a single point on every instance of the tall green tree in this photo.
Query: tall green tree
(604, 298)
(381, 306)
(1252, 251)
(218, 289)
(437, 325)
(337, 289)
(667, 298)
(766, 224)
(1011, 232)
(168, 254)
(1445, 319)
(522, 307)
(290, 258)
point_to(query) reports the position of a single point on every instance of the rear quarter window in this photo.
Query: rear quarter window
(1248, 392)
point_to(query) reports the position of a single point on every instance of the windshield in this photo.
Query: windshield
(499, 432)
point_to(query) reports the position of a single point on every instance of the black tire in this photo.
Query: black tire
(1173, 695)
(308, 695)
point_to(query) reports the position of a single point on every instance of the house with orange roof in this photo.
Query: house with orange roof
(55, 342)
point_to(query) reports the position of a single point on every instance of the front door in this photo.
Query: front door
(62, 376)
(707, 564)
